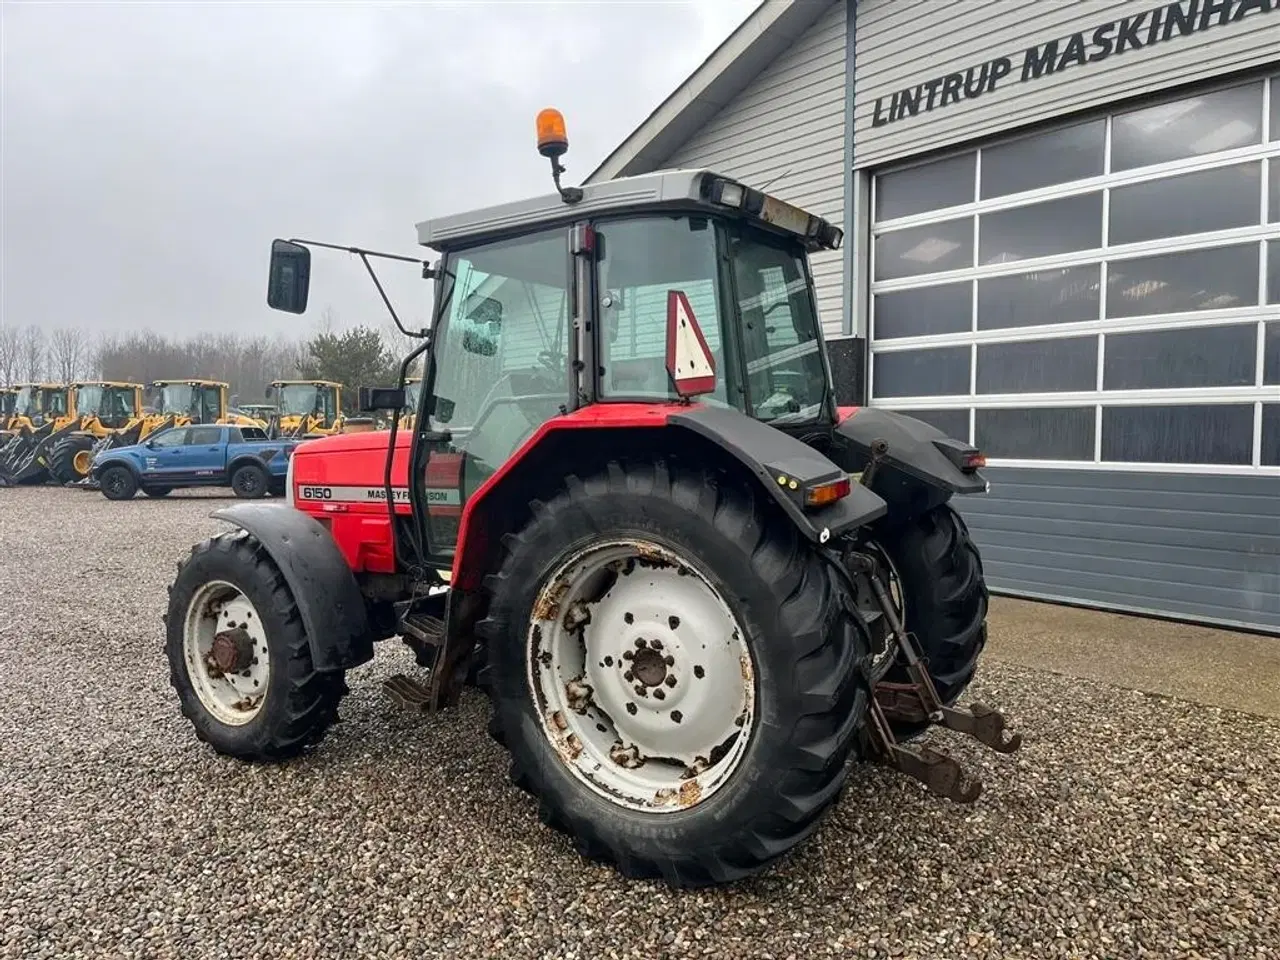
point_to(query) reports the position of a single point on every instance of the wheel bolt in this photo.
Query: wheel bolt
(641, 691)
(628, 655)
(628, 676)
(631, 709)
(640, 643)
(670, 681)
(656, 644)
(659, 693)
(669, 660)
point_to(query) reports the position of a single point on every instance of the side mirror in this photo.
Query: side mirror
(380, 398)
(290, 277)
(269, 391)
(149, 444)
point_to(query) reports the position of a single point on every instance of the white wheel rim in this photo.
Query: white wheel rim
(220, 613)
(635, 657)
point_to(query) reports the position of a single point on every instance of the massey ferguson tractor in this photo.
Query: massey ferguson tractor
(630, 511)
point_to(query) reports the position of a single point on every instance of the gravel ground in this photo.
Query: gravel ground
(1128, 825)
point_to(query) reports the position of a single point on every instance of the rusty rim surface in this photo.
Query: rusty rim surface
(641, 677)
(225, 648)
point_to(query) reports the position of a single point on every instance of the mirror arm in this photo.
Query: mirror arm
(428, 273)
(364, 258)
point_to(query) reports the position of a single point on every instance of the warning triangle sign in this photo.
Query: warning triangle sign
(689, 360)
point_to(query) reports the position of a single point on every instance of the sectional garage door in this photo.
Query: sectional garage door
(1097, 306)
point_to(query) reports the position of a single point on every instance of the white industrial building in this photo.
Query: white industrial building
(1062, 226)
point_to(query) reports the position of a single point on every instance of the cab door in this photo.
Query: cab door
(500, 369)
(206, 452)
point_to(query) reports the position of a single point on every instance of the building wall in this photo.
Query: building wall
(786, 131)
(1080, 272)
(1192, 545)
(987, 45)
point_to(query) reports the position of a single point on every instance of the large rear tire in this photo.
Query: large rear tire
(70, 459)
(942, 595)
(673, 674)
(239, 657)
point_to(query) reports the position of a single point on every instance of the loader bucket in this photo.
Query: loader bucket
(26, 461)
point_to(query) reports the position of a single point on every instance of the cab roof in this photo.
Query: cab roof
(309, 383)
(43, 385)
(193, 382)
(662, 189)
(106, 383)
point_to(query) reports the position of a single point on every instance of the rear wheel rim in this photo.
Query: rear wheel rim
(81, 462)
(221, 616)
(640, 676)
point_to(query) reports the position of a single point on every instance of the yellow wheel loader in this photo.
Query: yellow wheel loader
(110, 414)
(306, 408)
(42, 412)
(199, 401)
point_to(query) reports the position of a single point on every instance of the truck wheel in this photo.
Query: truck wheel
(118, 483)
(942, 596)
(673, 673)
(70, 459)
(157, 492)
(250, 481)
(239, 657)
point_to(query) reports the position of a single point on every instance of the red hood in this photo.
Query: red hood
(355, 442)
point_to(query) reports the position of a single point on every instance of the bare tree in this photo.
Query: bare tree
(10, 355)
(34, 354)
(68, 351)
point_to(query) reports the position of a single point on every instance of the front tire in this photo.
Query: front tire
(250, 482)
(118, 483)
(70, 459)
(695, 581)
(239, 657)
(943, 600)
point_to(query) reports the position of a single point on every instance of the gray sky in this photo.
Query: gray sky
(149, 152)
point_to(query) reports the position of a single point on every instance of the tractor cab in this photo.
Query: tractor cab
(656, 289)
(7, 397)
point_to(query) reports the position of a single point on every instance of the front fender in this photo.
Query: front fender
(323, 586)
(913, 464)
(102, 463)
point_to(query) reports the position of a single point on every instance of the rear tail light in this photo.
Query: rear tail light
(823, 494)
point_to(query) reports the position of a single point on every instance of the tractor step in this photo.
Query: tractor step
(423, 628)
(407, 693)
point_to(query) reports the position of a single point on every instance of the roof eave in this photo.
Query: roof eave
(772, 27)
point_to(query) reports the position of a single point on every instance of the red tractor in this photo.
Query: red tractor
(629, 509)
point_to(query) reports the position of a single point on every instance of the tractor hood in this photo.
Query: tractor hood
(355, 442)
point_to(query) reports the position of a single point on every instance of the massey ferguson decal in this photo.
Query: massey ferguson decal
(441, 496)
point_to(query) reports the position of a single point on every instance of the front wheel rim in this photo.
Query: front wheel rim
(641, 677)
(225, 650)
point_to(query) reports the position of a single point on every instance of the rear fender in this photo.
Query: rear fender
(588, 438)
(785, 467)
(323, 586)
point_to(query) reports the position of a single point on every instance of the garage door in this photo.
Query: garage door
(1097, 306)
